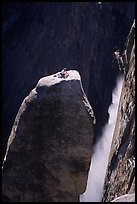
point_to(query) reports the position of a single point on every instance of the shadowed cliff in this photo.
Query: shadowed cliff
(41, 38)
(50, 146)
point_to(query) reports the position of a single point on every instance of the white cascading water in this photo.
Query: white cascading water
(100, 157)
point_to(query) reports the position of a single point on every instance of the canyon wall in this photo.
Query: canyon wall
(120, 178)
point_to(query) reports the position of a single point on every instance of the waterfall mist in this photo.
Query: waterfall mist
(100, 157)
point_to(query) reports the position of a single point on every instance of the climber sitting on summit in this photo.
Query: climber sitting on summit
(64, 73)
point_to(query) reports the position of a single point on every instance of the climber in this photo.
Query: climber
(64, 73)
(119, 59)
(117, 54)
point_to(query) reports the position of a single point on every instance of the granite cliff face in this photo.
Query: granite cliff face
(50, 146)
(125, 198)
(120, 178)
(39, 39)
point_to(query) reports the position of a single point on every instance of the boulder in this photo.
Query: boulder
(49, 149)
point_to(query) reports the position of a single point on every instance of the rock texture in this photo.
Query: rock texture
(40, 38)
(125, 198)
(120, 178)
(50, 146)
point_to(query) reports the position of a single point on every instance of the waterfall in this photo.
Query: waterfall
(99, 160)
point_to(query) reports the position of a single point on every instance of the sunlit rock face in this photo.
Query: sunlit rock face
(125, 198)
(120, 178)
(41, 38)
(50, 146)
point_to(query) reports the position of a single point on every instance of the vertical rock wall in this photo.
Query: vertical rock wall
(120, 178)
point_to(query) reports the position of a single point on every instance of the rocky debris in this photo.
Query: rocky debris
(125, 198)
(50, 146)
(120, 178)
(41, 37)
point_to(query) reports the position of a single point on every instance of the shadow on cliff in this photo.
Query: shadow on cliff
(42, 38)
